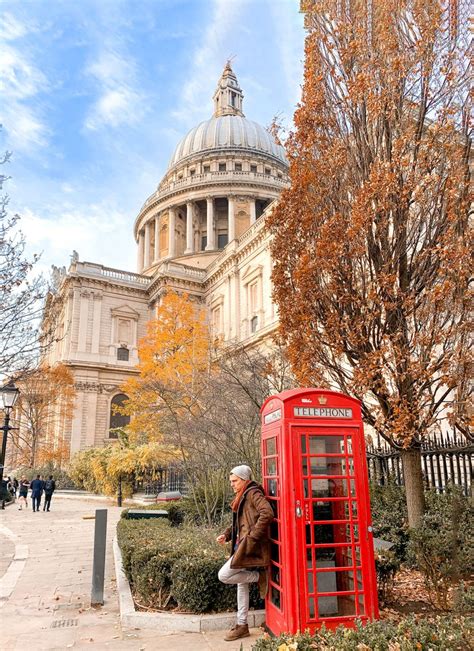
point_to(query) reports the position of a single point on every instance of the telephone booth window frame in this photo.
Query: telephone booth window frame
(271, 482)
(349, 601)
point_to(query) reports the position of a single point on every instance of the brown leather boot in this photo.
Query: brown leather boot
(236, 632)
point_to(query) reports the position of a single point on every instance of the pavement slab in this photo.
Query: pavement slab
(48, 602)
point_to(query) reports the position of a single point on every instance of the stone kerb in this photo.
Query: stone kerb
(170, 622)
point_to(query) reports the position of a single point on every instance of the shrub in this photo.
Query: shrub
(178, 511)
(464, 598)
(389, 516)
(445, 634)
(386, 566)
(442, 547)
(61, 476)
(196, 587)
(175, 565)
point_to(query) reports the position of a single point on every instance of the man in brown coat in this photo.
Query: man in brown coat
(251, 515)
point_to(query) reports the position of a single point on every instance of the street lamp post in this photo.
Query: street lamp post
(8, 396)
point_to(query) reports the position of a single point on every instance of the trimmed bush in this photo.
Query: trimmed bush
(176, 566)
(445, 634)
(179, 511)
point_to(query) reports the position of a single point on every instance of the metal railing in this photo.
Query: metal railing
(446, 461)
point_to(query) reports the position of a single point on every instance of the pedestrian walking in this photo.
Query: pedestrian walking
(251, 515)
(15, 485)
(23, 493)
(37, 486)
(10, 487)
(49, 488)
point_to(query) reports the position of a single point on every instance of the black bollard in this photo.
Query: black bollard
(98, 568)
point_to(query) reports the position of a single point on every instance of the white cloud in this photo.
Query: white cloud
(20, 84)
(120, 101)
(11, 28)
(96, 231)
(208, 60)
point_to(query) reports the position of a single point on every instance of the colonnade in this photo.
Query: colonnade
(147, 257)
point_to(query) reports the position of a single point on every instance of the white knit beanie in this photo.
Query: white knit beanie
(244, 472)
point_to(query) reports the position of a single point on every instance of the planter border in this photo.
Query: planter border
(172, 622)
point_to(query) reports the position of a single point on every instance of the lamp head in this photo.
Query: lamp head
(8, 395)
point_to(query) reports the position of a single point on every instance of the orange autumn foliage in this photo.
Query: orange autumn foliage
(371, 244)
(175, 350)
(44, 406)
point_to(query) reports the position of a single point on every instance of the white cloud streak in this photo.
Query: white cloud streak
(119, 99)
(21, 82)
(66, 227)
(208, 60)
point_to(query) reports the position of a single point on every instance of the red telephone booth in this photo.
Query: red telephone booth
(315, 477)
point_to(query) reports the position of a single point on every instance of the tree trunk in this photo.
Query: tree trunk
(415, 496)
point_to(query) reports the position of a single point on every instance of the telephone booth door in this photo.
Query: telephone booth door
(315, 475)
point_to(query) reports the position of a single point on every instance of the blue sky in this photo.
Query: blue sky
(96, 94)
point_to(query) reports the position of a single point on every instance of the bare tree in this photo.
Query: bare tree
(22, 296)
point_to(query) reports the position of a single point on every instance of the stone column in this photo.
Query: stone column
(189, 228)
(140, 252)
(146, 257)
(253, 211)
(156, 255)
(231, 218)
(96, 321)
(83, 320)
(211, 241)
(171, 233)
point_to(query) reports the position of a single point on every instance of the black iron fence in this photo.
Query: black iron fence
(164, 480)
(444, 461)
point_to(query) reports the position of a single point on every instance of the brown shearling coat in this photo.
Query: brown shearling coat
(250, 527)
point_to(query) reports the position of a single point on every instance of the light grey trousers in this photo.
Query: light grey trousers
(242, 578)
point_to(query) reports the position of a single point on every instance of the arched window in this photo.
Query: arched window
(116, 419)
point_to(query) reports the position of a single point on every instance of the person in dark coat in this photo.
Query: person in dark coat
(251, 515)
(49, 488)
(23, 493)
(37, 486)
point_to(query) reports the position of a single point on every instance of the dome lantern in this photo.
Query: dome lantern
(228, 95)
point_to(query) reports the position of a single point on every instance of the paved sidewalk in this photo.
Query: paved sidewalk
(45, 584)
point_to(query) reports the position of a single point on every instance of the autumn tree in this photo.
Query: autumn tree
(371, 244)
(202, 397)
(101, 470)
(45, 403)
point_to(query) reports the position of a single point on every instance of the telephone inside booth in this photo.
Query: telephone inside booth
(315, 477)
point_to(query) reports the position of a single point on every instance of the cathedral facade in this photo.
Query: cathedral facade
(202, 231)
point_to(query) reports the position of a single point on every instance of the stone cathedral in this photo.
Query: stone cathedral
(202, 231)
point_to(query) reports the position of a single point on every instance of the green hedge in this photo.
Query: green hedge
(445, 634)
(179, 511)
(168, 565)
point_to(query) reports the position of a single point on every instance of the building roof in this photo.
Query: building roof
(227, 129)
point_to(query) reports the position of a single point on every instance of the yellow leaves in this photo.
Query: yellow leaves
(175, 350)
(100, 469)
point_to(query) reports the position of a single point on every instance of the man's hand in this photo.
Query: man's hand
(221, 539)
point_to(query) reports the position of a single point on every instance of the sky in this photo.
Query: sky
(96, 95)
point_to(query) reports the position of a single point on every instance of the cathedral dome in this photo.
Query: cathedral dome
(227, 132)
